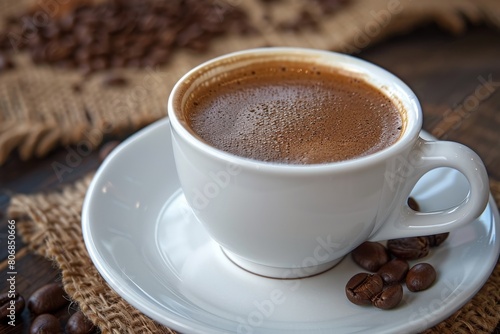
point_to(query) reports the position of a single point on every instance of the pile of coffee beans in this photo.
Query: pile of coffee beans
(93, 37)
(119, 33)
(390, 269)
(43, 305)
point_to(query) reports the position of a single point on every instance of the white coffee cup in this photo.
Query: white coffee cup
(291, 221)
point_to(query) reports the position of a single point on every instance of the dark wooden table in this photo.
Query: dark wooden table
(457, 79)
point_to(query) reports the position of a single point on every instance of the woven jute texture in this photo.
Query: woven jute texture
(50, 225)
(39, 110)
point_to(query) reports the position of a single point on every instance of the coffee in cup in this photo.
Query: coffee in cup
(293, 113)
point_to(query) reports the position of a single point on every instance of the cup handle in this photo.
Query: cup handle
(425, 156)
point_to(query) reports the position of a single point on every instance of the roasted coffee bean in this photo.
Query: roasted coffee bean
(78, 323)
(107, 148)
(67, 23)
(409, 248)
(370, 255)
(420, 277)
(134, 62)
(437, 239)
(50, 32)
(48, 298)
(82, 55)
(99, 64)
(388, 298)
(9, 307)
(114, 80)
(118, 62)
(412, 203)
(394, 271)
(45, 324)
(362, 287)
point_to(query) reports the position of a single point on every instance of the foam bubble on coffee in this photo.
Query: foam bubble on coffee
(294, 113)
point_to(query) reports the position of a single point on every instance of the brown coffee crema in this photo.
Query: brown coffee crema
(293, 113)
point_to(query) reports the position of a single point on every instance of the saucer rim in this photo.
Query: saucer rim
(179, 323)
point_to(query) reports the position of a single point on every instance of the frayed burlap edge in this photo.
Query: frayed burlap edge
(51, 225)
(39, 109)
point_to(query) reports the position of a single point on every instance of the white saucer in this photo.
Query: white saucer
(147, 246)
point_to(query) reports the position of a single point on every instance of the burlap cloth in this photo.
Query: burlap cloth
(39, 111)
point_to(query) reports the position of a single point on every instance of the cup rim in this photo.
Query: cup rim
(404, 94)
